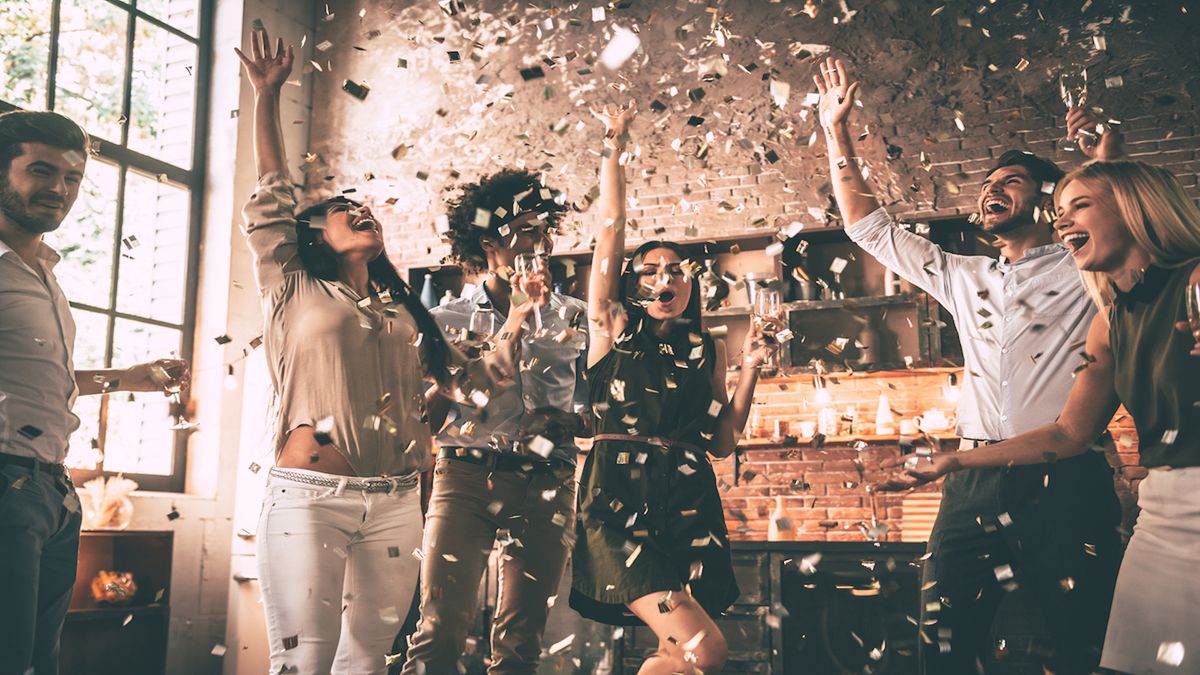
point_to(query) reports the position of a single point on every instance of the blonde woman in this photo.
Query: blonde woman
(1135, 236)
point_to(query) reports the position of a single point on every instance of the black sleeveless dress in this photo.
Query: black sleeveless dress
(649, 517)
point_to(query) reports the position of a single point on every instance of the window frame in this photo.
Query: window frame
(191, 179)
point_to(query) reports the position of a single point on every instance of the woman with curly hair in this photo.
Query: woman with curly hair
(506, 467)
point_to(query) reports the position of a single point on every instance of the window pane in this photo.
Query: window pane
(85, 239)
(90, 78)
(162, 102)
(153, 265)
(181, 14)
(139, 438)
(24, 52)
(91, 331)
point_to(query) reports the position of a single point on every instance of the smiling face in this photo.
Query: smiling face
(527, 233)
(1008, 198)
(351, 229)
(1091, 226)
(40, 187)
(664, 281)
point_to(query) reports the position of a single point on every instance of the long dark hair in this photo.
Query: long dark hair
(322, 263)
(632, 296)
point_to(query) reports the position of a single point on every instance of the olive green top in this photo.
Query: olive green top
(1155, 376)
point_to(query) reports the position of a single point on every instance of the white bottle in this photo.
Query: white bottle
(773, 533)
(885, 422)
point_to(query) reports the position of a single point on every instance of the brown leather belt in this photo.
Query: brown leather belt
(650, 440)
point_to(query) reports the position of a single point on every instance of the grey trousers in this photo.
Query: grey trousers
(39, 549)
(532, 514)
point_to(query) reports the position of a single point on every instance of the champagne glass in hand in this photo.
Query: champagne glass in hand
(768, 316)
(532, 272)
(1192, 301)
(483, 323)
(173, 378)
(1073, 89)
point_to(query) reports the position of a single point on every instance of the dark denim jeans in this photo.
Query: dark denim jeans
(1050, 529)
(39, 549)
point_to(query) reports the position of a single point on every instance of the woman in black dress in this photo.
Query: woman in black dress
(651, 545)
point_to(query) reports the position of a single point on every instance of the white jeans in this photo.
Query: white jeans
(1154, 627)
(337, 573)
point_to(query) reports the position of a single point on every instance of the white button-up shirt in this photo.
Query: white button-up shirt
(1022, 324)
(37, 375)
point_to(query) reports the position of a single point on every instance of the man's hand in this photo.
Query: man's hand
(837, 93)
(912, 471)
(166, 375)
(266, 72)
(1082, 125)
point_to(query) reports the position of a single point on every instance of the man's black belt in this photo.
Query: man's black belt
(501, 461)
(33, 464)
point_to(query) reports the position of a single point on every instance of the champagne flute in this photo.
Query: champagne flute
(1193, 307)
(768, 307)
(532, 268)
(173, 387)
(1073, 89)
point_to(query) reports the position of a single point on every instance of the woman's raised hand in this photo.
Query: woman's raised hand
(837, 92)
(266, 72)
(616, 120)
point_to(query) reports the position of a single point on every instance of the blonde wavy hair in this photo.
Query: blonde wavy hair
(1159, 215)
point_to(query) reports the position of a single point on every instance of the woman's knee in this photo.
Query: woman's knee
(709, 656)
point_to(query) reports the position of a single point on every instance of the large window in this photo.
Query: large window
(134, 75)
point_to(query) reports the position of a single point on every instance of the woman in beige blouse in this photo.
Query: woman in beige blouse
(349, 349)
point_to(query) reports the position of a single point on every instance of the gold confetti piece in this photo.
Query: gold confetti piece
(1022, 65)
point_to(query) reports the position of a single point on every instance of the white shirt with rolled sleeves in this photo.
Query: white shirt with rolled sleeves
(37, 375)
(1022, 324)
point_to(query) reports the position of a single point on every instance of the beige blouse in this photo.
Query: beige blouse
(350, 368)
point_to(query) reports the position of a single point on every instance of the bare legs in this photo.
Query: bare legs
(688, 640)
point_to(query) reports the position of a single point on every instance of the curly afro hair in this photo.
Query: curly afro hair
(504, 196)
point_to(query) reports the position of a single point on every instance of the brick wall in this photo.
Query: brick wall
(824, 496)
(750, 164)
(933, 121)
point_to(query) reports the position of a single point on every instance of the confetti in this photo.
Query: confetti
(1170, 653)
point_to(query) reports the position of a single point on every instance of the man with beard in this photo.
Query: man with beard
(1050, 529)
(42, 158)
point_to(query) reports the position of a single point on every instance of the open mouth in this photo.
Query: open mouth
(994, 205)
(1075, 240)
(366, 224)
(666, 297)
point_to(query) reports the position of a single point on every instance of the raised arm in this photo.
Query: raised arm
(854, 197)
(1089, 407)
(757, 348)
(913, 257)
(270, 213)
(604, 294)
(267, 74)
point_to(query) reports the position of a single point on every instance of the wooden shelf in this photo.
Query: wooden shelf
(109, 611)
(756, 443)
(807, 305)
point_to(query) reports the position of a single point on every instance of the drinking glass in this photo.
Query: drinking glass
(1193, 307)
(1073, 89)
(532, 268)
(173, 387)
(768, 305)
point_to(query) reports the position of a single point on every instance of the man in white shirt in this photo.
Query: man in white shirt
(42, 158)
(1050, 528)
